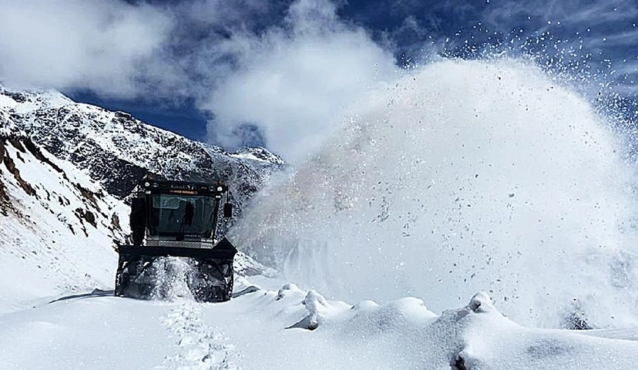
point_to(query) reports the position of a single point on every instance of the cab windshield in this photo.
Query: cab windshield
(182, 215)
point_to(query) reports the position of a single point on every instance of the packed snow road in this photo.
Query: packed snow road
(262, 329)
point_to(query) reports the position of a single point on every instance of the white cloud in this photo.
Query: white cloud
(290, 69)
(295, 82)
(241, 60)
(99, 45)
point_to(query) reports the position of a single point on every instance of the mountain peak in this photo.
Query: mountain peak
(24, 101)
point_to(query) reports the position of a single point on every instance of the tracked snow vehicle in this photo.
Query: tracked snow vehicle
(177, 219)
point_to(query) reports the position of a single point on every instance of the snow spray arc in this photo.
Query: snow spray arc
(464, 176)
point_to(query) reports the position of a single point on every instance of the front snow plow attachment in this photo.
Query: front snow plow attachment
(174, 234)
(142, 271)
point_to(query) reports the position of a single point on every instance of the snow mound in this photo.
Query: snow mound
(317, 306)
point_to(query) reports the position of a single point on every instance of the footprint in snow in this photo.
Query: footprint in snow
(199, 347)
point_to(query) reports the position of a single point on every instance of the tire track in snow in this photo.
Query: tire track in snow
(200, 347)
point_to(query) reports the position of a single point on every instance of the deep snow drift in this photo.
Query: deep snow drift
(464, 176)
(266, 329)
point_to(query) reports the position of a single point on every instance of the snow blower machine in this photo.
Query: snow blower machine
(177, 219)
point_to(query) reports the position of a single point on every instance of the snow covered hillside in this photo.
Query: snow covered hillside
(57, 227)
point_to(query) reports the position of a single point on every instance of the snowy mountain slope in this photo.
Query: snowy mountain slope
(262, 329)
(116, 150)
(57, 227)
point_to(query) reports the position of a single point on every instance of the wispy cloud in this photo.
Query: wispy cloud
(580, 13)
(626, 38)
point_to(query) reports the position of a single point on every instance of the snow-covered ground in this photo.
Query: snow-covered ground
(267, 329)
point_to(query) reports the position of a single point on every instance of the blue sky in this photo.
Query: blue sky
(207, 68)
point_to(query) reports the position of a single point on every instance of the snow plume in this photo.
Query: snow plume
(465, 176)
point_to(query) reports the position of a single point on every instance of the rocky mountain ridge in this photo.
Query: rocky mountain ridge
(116, 150)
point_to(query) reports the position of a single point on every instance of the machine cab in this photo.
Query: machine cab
(178, 213)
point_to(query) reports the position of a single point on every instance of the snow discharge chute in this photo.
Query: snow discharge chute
(177, 219)
(464, 176)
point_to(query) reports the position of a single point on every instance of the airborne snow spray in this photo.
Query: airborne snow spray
(463, 176)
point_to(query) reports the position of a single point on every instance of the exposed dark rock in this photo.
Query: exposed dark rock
(2, 149)
(575, 317)
(4, 200)
(90, 218)
(459, 364)
(3, 192)
(576, 321)
(10, 165)
(36, 152)
(17, 144)
(87, 194)
(87, 216)
(18, 97)
(115, 222)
